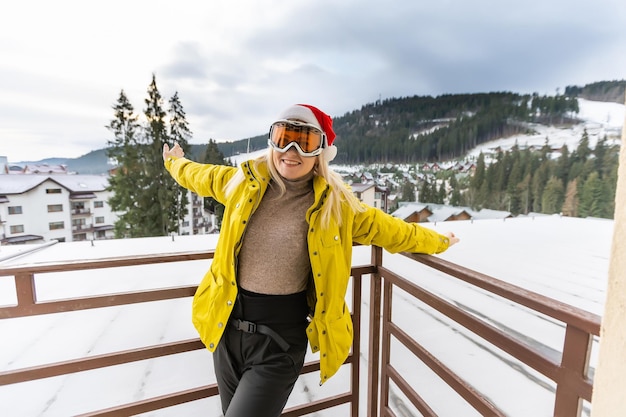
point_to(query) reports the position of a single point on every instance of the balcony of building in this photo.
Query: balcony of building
(422, 326)
(80, 212)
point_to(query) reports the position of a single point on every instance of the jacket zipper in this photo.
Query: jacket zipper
(256, 205)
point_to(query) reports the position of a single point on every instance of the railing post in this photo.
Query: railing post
(373, 374)
(25, 289)
(574, 365)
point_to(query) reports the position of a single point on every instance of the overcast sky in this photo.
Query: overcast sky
(236, 64)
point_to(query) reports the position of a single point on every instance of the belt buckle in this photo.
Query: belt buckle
(245, 326)
(251, 327)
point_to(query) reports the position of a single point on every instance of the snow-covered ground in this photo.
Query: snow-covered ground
(563, 258)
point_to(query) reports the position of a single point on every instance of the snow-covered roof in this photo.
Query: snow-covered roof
(18, 184)
(82, 183)
(358, 187)
(442, 212)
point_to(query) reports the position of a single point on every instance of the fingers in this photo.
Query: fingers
(176, 151)
(452, 238)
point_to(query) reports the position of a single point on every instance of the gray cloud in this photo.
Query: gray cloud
(233, 76)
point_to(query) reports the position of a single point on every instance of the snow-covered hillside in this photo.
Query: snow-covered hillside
(598, 118)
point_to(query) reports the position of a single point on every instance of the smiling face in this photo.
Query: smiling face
(291, 165)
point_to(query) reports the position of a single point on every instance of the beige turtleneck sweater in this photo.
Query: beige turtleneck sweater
(274, 257)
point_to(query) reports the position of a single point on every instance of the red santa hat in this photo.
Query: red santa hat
(316, 117)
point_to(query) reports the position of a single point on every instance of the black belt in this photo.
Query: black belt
(249, 327)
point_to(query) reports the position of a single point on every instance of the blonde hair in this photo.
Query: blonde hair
(339, 191)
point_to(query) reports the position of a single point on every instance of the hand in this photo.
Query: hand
(451, 238)
(176, 151)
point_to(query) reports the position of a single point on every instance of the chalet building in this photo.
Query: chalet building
(431, 167)
(465, 167)
(414, 212)
(366, 177)
(371, 194)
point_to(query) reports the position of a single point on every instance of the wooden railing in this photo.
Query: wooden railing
(569, 373)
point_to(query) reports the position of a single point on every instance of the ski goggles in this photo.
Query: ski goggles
(307, 139)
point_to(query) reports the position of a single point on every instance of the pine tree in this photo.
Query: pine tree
(523, 191)
(408, 191)
(570, 205)
(600, 153)
(479, 173)
(455, 197)
(434, 193)
(180, 133)
(513, 188)
(552, 197)
(124, 151)
(563, 165)
(539, 182)
(424, 194)
(155, 199)
(582, 152)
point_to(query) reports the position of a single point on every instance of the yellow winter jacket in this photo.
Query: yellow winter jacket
(330, 253)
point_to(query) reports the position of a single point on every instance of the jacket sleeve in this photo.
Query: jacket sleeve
(206, 180)
(375, 227)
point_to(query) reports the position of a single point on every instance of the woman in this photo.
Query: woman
(283, 260)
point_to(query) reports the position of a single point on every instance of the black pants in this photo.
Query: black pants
(255, 376)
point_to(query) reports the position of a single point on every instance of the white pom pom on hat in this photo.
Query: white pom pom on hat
(316, 117)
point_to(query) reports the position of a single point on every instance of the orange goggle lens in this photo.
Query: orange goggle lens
(308, 138)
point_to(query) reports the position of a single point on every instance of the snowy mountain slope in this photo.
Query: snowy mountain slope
(598, 118)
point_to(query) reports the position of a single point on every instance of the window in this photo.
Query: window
(78, 224)
(17, 229)
(56, 225)
(53, 191)
(99, 219)
(15, 210)
(98, 204)
(55, 207)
